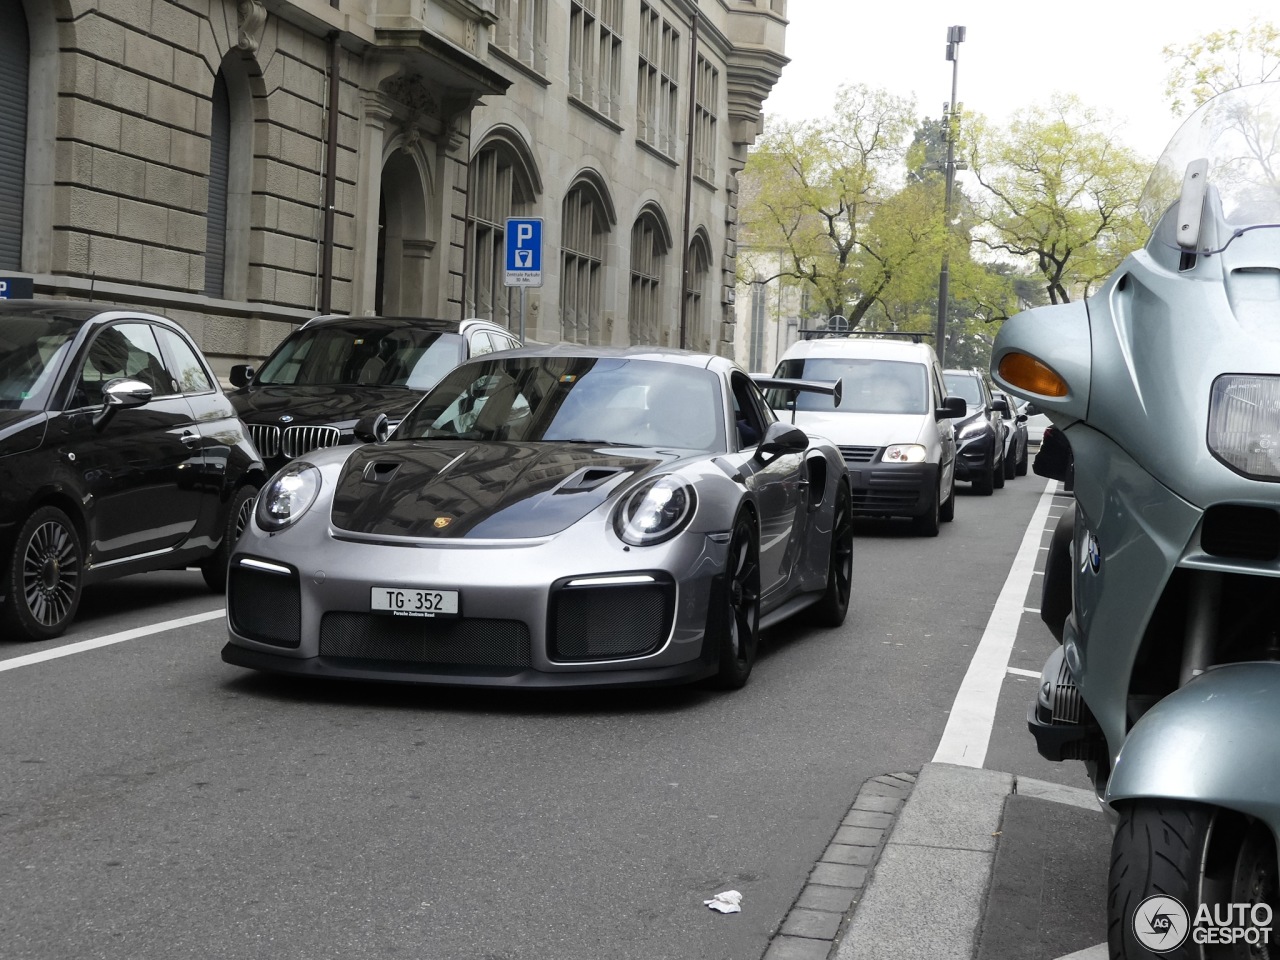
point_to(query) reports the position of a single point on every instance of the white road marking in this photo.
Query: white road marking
(1030, 609)
(81, 646)
(1096, 952)
(973, 714)
(1019, 672)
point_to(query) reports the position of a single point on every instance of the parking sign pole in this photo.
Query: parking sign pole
(522, 314)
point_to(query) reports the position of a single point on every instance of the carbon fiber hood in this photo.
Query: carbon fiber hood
(450, 489)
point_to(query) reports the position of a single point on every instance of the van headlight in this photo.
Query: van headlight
(288, 495)
(655, 511)
(904, 453)
(1244, 424)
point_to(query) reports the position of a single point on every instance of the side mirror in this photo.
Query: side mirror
(1000, 405)
(1022, 418)
(374, 428)
(952, 409)
(120, 394)
(241, 374)
(781, 438)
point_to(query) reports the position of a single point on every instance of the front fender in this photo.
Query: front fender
(1213, 741)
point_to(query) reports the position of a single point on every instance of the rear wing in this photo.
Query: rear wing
(793, 387)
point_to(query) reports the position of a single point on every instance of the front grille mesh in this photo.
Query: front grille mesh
(1241, 532)
(589, 623)
(438, 641)
(300, 440)
(266, 437)
(872, 500)
(859, 454)
(266, 607)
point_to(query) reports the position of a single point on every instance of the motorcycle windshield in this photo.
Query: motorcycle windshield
(1238, 132)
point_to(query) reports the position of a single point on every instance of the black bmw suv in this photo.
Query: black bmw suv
(119, 453)
(980, 433)
(332, 372)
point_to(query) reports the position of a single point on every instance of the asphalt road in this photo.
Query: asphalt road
(158, 803)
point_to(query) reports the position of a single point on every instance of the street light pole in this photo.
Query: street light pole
(955, 36)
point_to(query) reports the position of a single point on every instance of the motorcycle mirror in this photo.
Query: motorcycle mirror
(1191, 203)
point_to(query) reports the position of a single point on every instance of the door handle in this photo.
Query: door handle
(190, 439)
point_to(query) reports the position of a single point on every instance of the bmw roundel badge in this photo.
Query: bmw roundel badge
(287, 418)
(1095, 554)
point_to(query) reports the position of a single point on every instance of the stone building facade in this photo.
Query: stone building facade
(242, 165)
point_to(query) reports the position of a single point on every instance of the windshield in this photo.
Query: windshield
(965, 386)
(1238, 132)
(363, 353)
(870, 386)
(31, 351)
(641, 403)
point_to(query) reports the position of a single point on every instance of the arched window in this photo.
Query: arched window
(698, 328)
(501, 187)
(226, 251)
(14, 66)
(648, 260)
(583, 230)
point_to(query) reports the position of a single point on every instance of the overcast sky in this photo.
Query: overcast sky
(1107, 52)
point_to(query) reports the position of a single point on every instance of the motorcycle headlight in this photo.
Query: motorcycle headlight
(904, 453)
(289, 494)
(655, 511)
(1244, 424)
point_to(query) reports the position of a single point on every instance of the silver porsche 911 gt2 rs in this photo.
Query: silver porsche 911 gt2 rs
(560, 516)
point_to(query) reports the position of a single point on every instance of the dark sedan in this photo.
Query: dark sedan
(119, 453)
(333, 371)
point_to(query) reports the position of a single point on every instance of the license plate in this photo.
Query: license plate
(413, 602)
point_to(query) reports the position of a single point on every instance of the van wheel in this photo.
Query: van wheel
(926, 525)
(947, 511)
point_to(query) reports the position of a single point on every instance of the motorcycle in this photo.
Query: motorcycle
(1162, 583)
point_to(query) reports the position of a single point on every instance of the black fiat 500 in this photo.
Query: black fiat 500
(119, 453)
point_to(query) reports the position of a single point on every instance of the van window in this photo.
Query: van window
(870, 386)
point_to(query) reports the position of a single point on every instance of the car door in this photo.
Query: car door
(946, 431)
(139, 471)
(779, 486)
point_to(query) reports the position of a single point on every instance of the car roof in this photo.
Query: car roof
(82, 313)
(661, 354)
(422, 323)
(861, 347)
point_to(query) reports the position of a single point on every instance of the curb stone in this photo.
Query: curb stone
(814, 924)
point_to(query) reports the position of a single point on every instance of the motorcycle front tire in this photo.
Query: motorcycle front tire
(1191, 852)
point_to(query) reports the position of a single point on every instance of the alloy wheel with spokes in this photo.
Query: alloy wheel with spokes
(45, 574)
(740, 614)
(832, 609)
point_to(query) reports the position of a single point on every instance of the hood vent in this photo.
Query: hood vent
(381, 471)
(589, 478)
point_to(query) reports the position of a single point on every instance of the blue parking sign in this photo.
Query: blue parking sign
(524, 252)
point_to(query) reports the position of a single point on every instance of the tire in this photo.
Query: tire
(44, 578)
(832, 609)
(926, 525)
(984, 485)
(947, 509)
(1160, 847)
(1011, 466)
(738, 622)
(1021, 468)
(997, 472)
(239, 510)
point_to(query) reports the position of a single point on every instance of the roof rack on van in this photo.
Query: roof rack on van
(834, 334)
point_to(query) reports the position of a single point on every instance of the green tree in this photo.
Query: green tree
(1060, 194)
(822, 205)
(1220, 61)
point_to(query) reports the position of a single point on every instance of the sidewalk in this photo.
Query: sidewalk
(978, 865)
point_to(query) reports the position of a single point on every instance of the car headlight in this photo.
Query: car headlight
(655, 511)
(1244, 424)
(971, 429)
(904, 453)
(289, 494)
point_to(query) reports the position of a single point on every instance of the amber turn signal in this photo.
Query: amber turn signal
(1029, 374)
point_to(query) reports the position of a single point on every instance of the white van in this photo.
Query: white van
(892, 425)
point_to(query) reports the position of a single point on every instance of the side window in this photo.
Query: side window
(481, 344)
(747, 412)
(939, 388)
(123, 350)
(191, 374)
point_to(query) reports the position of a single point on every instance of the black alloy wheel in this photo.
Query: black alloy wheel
(740, 614)
(45, 576)
(239, 513)
(832, 609)
(1196, 854)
